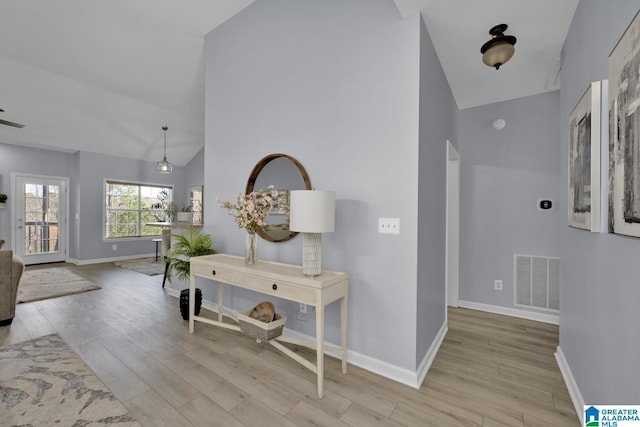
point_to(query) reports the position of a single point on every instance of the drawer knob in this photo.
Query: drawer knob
(213, 272)
(275, 287)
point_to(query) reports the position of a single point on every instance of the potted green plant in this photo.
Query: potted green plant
(185, 214)
(3, 200)
(190, 244)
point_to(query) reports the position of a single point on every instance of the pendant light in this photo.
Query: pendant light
(164, 166)
(499, 49)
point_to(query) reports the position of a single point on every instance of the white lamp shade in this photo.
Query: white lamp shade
(312, 211)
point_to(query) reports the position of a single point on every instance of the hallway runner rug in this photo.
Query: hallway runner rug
(43, 382)
(50, 283)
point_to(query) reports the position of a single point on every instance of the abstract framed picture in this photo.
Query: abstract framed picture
(196, 195)
(624, 133)
(584, 160)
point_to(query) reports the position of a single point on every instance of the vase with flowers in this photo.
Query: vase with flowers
(250, 212)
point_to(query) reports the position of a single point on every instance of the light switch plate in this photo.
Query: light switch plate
(389, 225)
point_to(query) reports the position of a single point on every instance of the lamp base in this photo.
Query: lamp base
(311, 254)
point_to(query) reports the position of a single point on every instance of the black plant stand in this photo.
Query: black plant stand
(166, 270)
(184, 303)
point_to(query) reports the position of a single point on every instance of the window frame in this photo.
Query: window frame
(139, 211)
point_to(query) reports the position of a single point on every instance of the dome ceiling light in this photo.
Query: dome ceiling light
(498, 124)
(499, 49)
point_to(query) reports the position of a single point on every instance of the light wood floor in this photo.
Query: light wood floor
(491, 370)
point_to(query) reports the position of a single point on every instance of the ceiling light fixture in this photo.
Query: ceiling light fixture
(498, 124)
(499, 49)
(164, 166)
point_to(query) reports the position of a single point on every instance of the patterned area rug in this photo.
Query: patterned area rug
(50, 283)
(147, 266)
(44, 383)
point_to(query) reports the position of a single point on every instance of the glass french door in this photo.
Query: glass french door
(40, 219)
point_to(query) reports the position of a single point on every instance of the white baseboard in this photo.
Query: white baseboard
(572, 385)
(112, 259)
(431, 354)
(385, 369)
(553, 319)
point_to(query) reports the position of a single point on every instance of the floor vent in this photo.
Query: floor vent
(537, 282)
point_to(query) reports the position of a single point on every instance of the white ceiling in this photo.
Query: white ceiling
(458, 28)
(105, 76)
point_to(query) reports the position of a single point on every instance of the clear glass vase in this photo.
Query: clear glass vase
(251, 248)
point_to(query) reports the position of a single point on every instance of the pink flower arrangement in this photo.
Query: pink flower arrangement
(251, 210)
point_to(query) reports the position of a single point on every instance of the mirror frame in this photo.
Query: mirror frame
(252, 181)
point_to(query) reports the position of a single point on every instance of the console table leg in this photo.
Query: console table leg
(220, 300)
(320, 348)
(343, 319)
(192, 302)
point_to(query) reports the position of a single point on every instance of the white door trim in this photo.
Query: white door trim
(453, 225)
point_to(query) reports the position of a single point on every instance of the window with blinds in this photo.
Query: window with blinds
(129, 207)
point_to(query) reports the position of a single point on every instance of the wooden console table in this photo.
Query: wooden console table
(282, 281)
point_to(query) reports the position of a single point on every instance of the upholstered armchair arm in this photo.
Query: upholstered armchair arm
(16, 271)
(11, 269)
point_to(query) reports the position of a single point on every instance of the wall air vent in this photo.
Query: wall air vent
(537, 282)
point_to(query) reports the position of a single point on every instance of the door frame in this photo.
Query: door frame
(453, 227)
(64, 220)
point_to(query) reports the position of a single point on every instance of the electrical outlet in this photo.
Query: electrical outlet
(114, 247)
(303, 313)
(389, 225)
(497, 285)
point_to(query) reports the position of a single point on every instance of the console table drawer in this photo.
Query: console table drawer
(282, 290)
(219, 274)
(263, 285)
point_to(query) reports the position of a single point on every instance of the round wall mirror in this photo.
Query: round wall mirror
(285, 173)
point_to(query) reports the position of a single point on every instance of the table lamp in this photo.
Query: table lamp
(312, 212)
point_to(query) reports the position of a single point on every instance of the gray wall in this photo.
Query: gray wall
(86, 172)
(438, 112)
(92, 172)
(599, 320)
(334, 84)
(503, 174)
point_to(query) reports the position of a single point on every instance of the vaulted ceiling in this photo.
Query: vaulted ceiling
(105, 76)
(458, 28)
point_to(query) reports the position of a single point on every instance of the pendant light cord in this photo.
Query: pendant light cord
(165, 129)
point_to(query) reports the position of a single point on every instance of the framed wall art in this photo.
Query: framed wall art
(196, 195)
(584, 160)
(624, 133)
